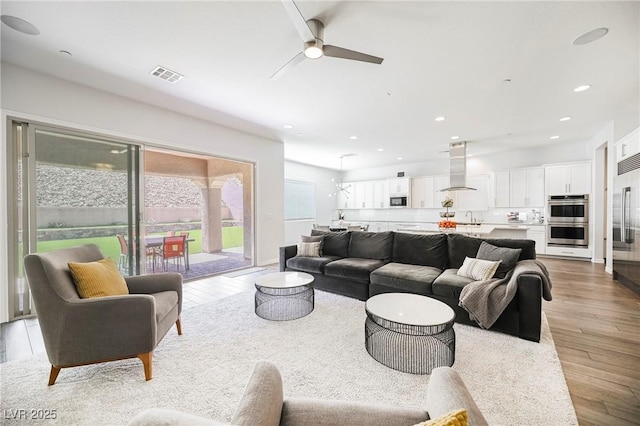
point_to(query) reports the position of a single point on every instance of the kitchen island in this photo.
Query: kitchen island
(472, 229)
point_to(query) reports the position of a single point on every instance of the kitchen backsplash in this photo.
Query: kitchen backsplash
(433, 215)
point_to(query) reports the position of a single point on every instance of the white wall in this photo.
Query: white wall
(325, 181)
(37, 97)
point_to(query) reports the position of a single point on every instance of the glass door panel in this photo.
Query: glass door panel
(70, 189)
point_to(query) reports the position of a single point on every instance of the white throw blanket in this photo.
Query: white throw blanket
(486, 300)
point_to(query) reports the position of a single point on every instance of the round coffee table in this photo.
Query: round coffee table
(409, 332)
(283, 296)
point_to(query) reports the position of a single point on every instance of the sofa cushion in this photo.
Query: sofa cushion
(335, 243)
(352, 268)
(478, 269)
(309, 249)
(412, 278)
(313, 239)
(421, 249)
(508, 257)
(371, 245)
(449, 284)
(310, 264)
(461, 246)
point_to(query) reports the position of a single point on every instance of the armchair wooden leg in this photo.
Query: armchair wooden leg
(146, 362)
(179, 327)
(54, 374)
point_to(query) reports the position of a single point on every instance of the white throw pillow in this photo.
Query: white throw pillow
(309, 249)
(478, 269)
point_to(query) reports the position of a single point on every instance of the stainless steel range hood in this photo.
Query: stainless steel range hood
(458, 168)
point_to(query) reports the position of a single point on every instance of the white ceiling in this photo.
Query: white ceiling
(441, 58)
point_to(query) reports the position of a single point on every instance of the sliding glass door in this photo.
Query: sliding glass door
(72, 189)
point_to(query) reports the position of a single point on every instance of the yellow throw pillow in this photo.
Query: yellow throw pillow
(454, 418)
(98, 279)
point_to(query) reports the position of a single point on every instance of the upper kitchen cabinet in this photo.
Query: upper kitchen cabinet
(526, 187)
(380, 194)
(399, 186)
(473, 200)
(363, 192)
(568, 179)
(628, 146)
(423, 193)
(499, 189)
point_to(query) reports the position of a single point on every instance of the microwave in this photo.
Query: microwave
(398, 201)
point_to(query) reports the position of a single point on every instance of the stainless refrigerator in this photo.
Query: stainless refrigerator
(626, 224)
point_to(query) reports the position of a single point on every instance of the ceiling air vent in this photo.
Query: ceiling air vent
(166, 74)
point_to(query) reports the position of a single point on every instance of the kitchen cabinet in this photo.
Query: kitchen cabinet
(539, 235)
(381, 194)
(399, 186)
(363, 194)
(473, 200)
(568, 179)
(500, 188)
(423, 193)
(628, 146)
(441, 182)
(526, 187)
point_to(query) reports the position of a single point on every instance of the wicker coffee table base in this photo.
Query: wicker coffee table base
(408, 348)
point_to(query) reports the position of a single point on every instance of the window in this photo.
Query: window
(299, 200)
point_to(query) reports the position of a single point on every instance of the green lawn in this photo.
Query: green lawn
(232, 236)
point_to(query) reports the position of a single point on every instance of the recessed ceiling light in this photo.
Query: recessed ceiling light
(554, 137)
(19, 25)
(590, 36)
(582, 88)
(399, 158)
(455, 137)
(565, 119)
(440, 118)
(380, 149)
(353, 138)
(287, 126)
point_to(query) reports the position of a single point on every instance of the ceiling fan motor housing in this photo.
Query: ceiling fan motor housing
(313, 49)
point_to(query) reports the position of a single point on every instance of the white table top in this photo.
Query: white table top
(284, 279)
(411, 309)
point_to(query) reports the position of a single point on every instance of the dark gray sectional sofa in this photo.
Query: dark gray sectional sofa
(363, 264)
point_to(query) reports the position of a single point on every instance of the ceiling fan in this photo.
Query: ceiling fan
(312, 33)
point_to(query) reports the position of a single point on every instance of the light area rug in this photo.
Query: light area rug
(203, 372)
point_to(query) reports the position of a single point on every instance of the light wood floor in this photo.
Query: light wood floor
(595, 322)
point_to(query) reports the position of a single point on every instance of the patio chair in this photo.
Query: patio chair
(93, 330)
(174, 248)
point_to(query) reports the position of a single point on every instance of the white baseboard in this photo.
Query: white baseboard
(608, 270)
(597, 260)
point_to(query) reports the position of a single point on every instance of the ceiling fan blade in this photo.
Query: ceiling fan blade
(292, 63)
(298, 20)
(340, 52)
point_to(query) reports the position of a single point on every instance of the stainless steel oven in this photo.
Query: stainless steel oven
(568, 234)
(568, 209)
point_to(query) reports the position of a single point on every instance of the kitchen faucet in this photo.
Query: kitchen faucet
(471, 213)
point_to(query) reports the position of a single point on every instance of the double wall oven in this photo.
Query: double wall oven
(568, 220)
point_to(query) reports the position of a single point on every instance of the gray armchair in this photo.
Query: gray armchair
(87, 331)
(263, 403)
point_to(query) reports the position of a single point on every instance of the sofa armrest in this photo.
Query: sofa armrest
(530, 306)
(447, 392)
(304, 411)
(164, 417)
(286, 253)
(261, 402)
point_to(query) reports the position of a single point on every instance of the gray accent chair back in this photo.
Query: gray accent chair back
(80, 331)
(263, 403)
